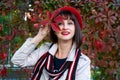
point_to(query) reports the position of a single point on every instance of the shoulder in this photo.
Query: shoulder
(45, 45)
(83, 68)
(84, 57)
(43, 48)
(84, 60)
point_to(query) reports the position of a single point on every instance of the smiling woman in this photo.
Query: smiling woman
(67, 30)
(64, 27)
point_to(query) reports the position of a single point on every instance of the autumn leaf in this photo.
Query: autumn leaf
(37, 2)
(3, 72)
(99, 45)
(102, 34)
(0, 27)
(1, 38)
(34, 18)
(8, 37)
(36, 25)
(52, 20)
(58, 19)
(55, 27)
(49, 14)
(83, 39)
(44, 22)
(3, 56)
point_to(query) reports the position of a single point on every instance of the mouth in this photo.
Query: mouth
(65, 32)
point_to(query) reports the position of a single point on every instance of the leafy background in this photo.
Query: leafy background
(101, 40)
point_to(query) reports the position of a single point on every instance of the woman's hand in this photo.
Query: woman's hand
(42, 33)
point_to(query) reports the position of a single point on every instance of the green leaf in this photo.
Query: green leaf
(18, 39)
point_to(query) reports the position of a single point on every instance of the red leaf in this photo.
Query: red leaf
(111, 13)
(92, 17)
(99, 45)
(83, 39)
(4, 71)
(92, 56)
(113, 17)
(98, 20)
(44, 22)
(59, 19)
(54, 14)
(99, 23)
(102, 34)
(55, 27)
(49, 14)
(0, 27)
(103, 16)
(112, 21)
(36, 25)
(37, 2)
(111, 63)
(33, 19)
(8, 37)
(39, 11)
(106, 8)
(1, 38)
(3, 56)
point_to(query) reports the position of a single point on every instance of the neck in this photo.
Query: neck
(64, 48)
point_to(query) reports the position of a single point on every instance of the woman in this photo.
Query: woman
(61, 59)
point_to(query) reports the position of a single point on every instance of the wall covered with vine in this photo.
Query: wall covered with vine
(101, 29)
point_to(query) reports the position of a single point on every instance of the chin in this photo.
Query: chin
(66, 39)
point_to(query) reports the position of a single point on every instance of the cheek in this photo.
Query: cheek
(73, 28)
(57, 33)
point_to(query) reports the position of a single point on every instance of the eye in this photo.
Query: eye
(70, 23)
(59, 24)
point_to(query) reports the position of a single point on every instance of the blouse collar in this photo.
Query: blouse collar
(71, 54)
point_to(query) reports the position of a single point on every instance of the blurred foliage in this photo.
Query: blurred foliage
(101, 40)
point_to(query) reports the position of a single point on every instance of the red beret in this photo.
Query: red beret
(74, 11)
(52, 18)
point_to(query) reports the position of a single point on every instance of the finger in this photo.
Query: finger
(41, 26)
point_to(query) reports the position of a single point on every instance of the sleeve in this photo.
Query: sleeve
(26, 55)
(83, 69)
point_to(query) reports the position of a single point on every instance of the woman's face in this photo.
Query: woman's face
(67, 30)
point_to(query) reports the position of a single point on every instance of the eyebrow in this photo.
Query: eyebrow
(70, 20)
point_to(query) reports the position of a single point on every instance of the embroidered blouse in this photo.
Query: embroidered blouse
(26, 55)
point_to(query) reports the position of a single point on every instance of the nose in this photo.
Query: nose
(65, 26)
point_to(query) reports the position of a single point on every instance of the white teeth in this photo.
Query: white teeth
(65, 32)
